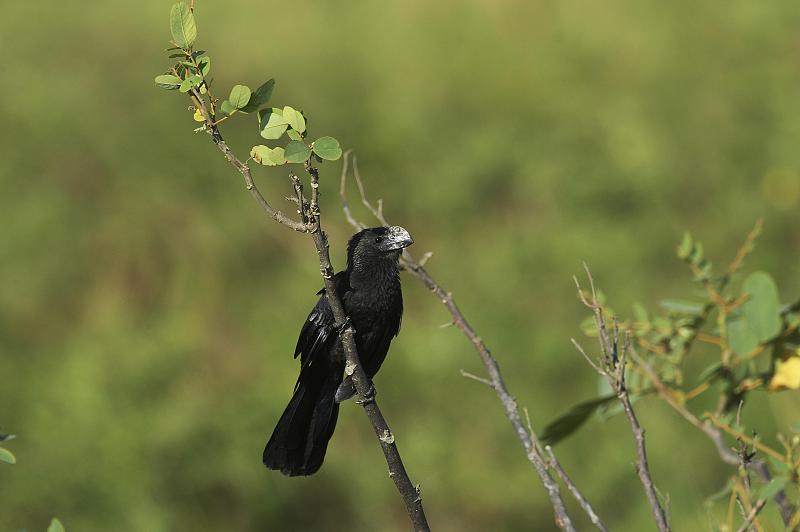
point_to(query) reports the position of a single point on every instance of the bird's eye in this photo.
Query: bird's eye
(378, 239)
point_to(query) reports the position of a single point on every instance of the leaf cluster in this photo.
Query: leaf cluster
(190, 74)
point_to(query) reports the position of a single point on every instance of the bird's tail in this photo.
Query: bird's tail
(298, 443)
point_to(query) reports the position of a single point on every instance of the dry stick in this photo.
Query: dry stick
(410, 493)
(587, 507)
(562, 518)
(613, 362)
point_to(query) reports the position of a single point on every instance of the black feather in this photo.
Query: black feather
(371, 295)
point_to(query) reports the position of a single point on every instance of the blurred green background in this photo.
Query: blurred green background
(148, 309)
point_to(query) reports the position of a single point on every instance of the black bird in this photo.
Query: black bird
(370, 291)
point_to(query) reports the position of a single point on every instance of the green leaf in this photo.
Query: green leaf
(680, 306)
(227, 107)
(259, 97)
(762, 308)
(295, 119)
(182, 26)
(7, 437)
(240, 95)
(271, 123)
(297, 152)
(168, 81)
(685, 248)
(565, 425)
(779, 465)
(294, 135)
(268, 156)
(770, 490)
(740, 337)
(328, 148)
(205, 65)
(7, 456)
(55, 526)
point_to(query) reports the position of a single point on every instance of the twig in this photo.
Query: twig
(613, 363)
(312, 224)
(556, 466)
(487, 382)
(562, 518)
(751, 516)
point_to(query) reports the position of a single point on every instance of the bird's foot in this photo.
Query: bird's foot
(368, 397)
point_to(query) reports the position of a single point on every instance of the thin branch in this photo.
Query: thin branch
(613, 364)
(343, 194)
(556, 466)
(751, 516)
(312, 224)
(487, 382)
(510, 408)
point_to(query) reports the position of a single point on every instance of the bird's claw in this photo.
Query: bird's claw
(368, 397)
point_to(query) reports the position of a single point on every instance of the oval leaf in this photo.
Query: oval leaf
(294, 135)
(770, 490)
(327, 148)
(571, 421)
(7, 456)
(182, 25)
(205, 65)
(740, 337)
(294, 118)
(271, 123)
(259, 97)
(168, 81)
(240, 95)
(267, 156)
(762, 308)
(227, 107)
(297, 152)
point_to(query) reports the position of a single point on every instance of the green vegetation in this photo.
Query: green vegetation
(148, 310)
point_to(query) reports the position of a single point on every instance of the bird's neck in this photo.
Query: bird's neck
(383, 273)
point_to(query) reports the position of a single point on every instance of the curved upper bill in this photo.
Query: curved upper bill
(397, 238)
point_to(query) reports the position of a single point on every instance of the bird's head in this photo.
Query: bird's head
(377, 243)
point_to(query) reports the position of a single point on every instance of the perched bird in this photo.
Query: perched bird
(370, 292)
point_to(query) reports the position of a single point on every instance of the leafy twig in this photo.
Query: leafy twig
(311, 224)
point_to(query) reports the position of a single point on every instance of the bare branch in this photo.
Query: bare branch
(751, 516)
(487, 382)
(364, 388)
(343, 194)
(613, 364)
(562, 518)
(556, 466)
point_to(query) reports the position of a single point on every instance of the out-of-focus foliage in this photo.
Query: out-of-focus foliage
(754, 347)
(149, 310)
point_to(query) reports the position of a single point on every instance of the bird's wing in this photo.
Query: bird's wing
(319, 330)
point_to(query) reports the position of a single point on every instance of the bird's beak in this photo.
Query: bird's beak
(397, 238)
